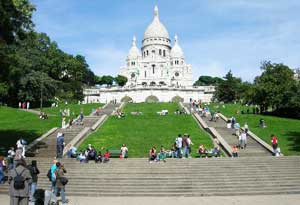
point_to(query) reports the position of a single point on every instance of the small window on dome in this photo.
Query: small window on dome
(155, 39)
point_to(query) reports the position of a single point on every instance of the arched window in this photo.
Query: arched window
(145, 74)
(153, 68)
(159, 52)
(164, 53)
(147, 52)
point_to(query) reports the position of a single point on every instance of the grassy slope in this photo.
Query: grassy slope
(287, 130)
(15, 123)
(139, 133)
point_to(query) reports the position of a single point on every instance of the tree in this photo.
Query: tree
(121, 80)
(227, 90)
(208, 80)
(36, 86)
(274, 87)
(107, 80)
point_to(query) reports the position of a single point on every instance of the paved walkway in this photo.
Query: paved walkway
(227, 200)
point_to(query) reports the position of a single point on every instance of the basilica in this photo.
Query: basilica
(156, 73)
(158, 62)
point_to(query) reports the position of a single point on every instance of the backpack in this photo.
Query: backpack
(19, 181)
(49, 175)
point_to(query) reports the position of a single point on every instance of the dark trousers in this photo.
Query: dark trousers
(59, 151)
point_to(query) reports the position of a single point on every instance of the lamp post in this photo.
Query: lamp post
(41, 103)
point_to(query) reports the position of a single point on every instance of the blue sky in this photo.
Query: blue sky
(215, 35)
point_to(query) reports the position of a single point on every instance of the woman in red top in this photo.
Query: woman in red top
(152, 154)
(106, 156)
(274, 142)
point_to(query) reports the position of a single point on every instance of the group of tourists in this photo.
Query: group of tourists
(72, 121)
(180, 112)
(22, 178)
(24, 105)
(203, 151)
(56, 176)
(156, 157)
(119, 114)
(90, 154)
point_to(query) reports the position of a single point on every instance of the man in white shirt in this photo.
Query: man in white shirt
(178, 142)
(21, 145)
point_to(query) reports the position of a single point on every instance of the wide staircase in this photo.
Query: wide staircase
(178, 177)
(47, 146)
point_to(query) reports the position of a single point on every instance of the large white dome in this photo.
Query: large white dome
(156, 29)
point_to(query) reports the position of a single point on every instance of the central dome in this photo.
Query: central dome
(156, 29)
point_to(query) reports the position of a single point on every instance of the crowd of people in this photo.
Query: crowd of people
(119, 114)
(90, 154)
(23, 178)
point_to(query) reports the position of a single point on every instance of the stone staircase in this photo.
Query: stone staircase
(178, 177)
(253, 147)
(47, 146)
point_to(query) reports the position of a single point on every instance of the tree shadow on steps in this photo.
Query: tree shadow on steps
(8, 138)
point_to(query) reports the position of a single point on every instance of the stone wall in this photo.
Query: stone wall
(140, 94)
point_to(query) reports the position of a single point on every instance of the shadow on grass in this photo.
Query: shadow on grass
(8, 138)
(294, 138)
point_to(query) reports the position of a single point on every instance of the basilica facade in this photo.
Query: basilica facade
(155, 72)
(158, 62)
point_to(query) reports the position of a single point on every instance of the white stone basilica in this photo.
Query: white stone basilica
(157, 73)
(158, 63)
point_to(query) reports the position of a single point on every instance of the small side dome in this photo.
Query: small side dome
(176, 51)
(134, 51)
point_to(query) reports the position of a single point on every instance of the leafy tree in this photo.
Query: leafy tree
(121, 80)
(208, 80)
(35, 86)
(107, 80)
(227, 90)
(275, 87)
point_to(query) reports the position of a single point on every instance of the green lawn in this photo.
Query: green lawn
(15, 123)
(139, 133)
(287, 130)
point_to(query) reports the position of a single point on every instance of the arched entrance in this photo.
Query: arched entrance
(151, 99)
(177, 99)
(126, 99)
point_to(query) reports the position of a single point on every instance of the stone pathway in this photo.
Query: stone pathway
(253, 147)
(47, 146)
